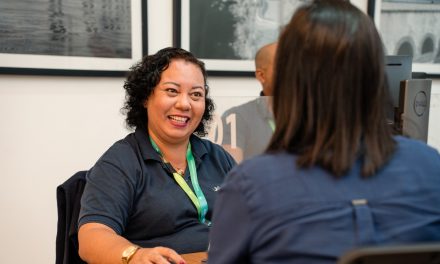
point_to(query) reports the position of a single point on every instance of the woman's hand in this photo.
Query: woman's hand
(157, 255)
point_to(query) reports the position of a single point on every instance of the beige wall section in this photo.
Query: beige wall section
(361, 4)
(52, 127)
(434, 115)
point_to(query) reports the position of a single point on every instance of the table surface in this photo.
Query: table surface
(195, 258)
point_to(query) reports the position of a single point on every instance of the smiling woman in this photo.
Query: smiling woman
(178, 102)
(150, 196)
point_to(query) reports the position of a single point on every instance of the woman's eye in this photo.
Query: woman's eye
(197, 95)
(171, 91)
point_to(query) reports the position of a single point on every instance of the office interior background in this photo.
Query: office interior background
(53, 126)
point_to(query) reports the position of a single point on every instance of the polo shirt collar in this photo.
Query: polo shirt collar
(149, 153)
(262, 107)
(198, 148)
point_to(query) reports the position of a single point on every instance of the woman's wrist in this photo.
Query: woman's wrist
(128, 253)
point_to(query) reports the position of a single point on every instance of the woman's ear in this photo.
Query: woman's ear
(145, 103)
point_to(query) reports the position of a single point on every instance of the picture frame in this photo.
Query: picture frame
(73, 38)
(228, 47)
(410, 27)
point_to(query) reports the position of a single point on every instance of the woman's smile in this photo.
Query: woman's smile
(180, 121)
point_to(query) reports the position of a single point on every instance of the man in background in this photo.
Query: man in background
(253, 121)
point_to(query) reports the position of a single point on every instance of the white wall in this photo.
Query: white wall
(52, 127)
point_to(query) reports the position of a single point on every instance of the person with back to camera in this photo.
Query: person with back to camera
(150, 196)
(254, 119)
(333, 177)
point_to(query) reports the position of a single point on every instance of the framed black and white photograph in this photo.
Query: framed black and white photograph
(410, 27)
(227, 34)
(72, 37)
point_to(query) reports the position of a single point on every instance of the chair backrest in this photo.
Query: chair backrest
(397, 254)
(69, 204)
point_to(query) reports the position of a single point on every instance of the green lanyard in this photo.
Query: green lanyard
(272, 124)
(198, 199)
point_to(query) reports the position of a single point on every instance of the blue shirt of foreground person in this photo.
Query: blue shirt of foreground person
(334, 177)
(150, 196)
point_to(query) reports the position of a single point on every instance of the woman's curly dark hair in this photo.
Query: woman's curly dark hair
(143, 78)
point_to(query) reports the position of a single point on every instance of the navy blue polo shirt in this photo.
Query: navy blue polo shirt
(129, 190)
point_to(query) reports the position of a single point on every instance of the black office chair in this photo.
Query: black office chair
(397, 254)
(69, 203)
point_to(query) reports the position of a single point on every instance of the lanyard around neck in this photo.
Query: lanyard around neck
(271, 124)
(198, 199)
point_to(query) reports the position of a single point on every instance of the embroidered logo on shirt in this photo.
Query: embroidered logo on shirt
(216, 188)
